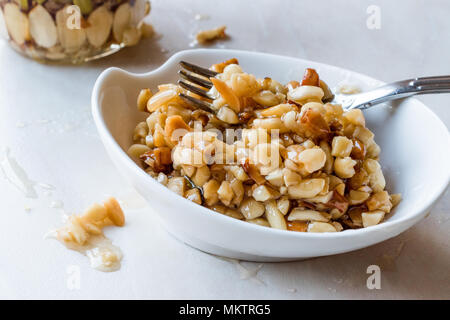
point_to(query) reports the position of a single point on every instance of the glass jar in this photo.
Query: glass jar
(72, 30)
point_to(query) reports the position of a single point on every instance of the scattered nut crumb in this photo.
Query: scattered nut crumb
(206, 36)
(147, 30)
(84, 233)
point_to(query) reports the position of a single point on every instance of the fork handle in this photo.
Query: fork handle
(398, 90)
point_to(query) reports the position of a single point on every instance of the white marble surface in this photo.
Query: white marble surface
(46, 124)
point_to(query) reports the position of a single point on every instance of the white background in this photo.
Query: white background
(45, 122)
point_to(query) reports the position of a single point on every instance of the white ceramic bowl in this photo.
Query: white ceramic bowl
(415, 158)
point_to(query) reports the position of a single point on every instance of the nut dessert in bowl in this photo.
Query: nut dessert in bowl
(273, 153)
(72, 31)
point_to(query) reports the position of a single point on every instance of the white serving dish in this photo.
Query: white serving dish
(415, 158)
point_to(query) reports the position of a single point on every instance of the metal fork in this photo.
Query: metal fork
(199, 76)
(396, 90)
(393, 91)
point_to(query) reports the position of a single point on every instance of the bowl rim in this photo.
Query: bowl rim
(105, 134)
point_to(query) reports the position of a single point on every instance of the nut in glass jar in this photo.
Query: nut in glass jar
(72, 30)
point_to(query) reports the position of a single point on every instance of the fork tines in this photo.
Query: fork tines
(190, 76)
(201, 92)
(200, 104)
(198, 70)
(197, 82)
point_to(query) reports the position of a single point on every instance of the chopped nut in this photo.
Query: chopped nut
(395, 199)
(308, 188)
(274, 216)
(219, 67)
(307, 215)
(225, 193)
(310, 78)
(177, 185)
(283, 205)
(379, 201)
(260, 222)
(206, 36)
(344, 167)
(341, 147)
(80, 228)
(227, 94)
(143, 98)
(299, 226)
(262, 193)
(175, 128)
(193, 195)
(321, 227)
(252, 209)
(372, 218)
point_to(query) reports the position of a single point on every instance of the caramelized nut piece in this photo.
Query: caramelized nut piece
(225, 91)
(312, 159)
(372, 218)
(260, 222)
(379, 201)
(304, 94)
(376, 177)
(341, 147)
(313, 121)
(321, 227)
(338, 201)
(115, 212)
(308, 188)
(299, 226)
(206, 36)
(291, 178)
(337, 226)
(358, 150)
(253, 172)
(307, 215)
(274, 216)
(137, 149)
(355, 215)
(275, 177)
(193, 195)
(310, 78)
(210, 192)
(177, 185)
(175, 128)
(344, 167)
(225, 193)
(252, 209)
(227, 115)
(358, 197)
(293, 84)
(328, 95)
(395, 199)
(283, 205)
(355, 116)
(143, 98)
(201, 176)
(263, 193)
(219, 67)
(278, 110)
